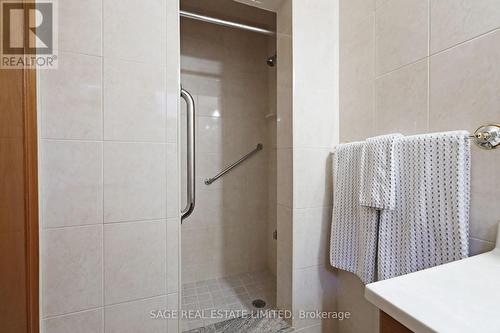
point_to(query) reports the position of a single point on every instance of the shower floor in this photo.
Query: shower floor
(231, 293)
(246, 325)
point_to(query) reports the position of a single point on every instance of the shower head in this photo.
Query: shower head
(272, 60)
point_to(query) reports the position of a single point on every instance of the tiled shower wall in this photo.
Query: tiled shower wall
(315, 131)
(272, 172)
(413, 67)
(225, 69)
(108, 173)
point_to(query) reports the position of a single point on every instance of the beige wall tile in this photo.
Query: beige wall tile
(91, 321)
(315, 106)
(401, 100)
(134, 181)
(72, 171)
(284, 18)
(485, 213)
(240, 60)
(401, 33)
(207, 166)
(173, 202)
(123, 39)
(173, 304)
(454, 22)
(312, 179)
(173, 38)
(464, 85)
(173, 255)
(71, 98)
(478, 246)
(173, 209)
(173, 70)
(135, 317)
(209, 106)
(209, 132)
(314, 288)
(379, 3)
(72, 187)
(284, 258)
(351, 299)
(313, 117)
(209, 208)
(135, 260)
(353, 11)
(80, 25)
(172, 106)
(357, 72)
(284, 92)
(463, 95)
(257, 255)
(285, 177)
(311, 230)
(72, 269)
(315, 131)
(134, 101)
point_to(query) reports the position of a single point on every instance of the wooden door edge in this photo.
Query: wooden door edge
(31, 193)
(31, 199)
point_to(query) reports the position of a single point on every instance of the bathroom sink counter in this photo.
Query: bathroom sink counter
(462, 296)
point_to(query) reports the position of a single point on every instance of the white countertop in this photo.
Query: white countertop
(462, 296)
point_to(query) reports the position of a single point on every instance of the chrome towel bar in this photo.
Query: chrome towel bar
(235, 164)
(486, 137)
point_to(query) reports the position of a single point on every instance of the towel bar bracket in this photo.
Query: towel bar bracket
(487, 137)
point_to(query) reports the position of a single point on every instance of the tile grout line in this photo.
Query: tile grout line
(431, 55)
(71, 313)
(374, 78)
(470, 40)
(108, 141)
(178, 185)
(167, 259)
(379, 76)
(106, 306)
(103, 325)
(105, 223)
(429, 27)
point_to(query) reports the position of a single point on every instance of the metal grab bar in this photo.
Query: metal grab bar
(234, 165)
(191, 190)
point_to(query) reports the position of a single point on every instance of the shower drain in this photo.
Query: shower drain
(258, 303)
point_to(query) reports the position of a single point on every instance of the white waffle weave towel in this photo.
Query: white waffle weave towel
(378, 182)
(430, 223)
(353, 242)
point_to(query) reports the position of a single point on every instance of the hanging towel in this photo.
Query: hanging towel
(353, 242)
(430, 223)
(377, 186)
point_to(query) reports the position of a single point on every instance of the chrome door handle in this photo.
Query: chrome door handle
(191, 185)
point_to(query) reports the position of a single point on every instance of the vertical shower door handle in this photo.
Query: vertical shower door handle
(191, 180)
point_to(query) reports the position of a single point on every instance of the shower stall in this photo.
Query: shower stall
(114, 139)
(228, 158)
